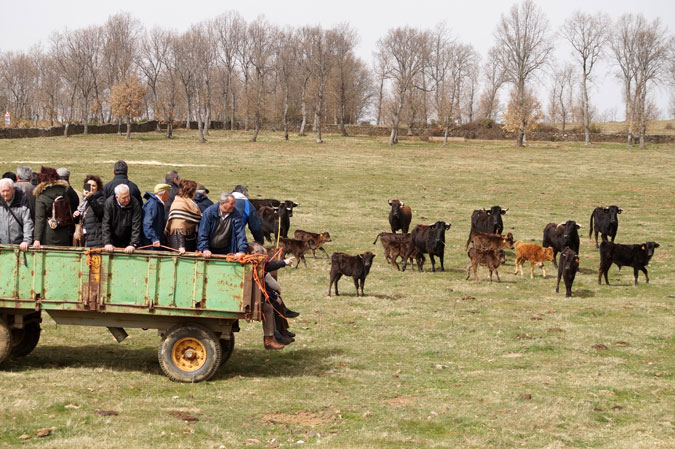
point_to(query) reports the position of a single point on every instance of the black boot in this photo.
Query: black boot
(288, 313)
(288, 333)
(284, 340)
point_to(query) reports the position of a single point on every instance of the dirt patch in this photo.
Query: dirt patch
(400, 401)
(157, 163)
(301, 418)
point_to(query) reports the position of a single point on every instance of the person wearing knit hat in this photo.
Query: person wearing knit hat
(154, 219)
(201, 199)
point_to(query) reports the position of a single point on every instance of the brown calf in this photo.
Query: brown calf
(534, 254)
(490, 258)
(482, 240)
(357, 267)
(386, 238)
(319, 240)
(399, 248)
(296, 247)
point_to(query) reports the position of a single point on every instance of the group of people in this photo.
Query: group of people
(177, 214)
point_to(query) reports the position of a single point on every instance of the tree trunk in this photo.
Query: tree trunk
(393, 137)
(285, 117)
(587, 121)
(643, 117)
(187, 113)
(128, 128)
(169, 128)
(200, 124)
(629, 114)
(303, 93)
(119, 125)
(445, 133)
(380, 95)
(65, 130)
(232, 113)
(208, 118)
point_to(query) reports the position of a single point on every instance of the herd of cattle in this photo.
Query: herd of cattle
(485, 236)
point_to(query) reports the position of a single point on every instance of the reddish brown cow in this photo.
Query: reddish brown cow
(534, 254)
(482, 240)
(490, 258)
(386, 238)
(296, 247)
(319, 240)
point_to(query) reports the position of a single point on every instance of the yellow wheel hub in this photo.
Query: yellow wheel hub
(188, 354)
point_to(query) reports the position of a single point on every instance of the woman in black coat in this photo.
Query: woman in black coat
(90, 211)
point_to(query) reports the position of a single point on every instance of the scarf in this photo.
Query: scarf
(184, 217)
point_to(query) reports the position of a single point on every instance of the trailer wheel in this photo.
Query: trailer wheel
(189, 353)
(5, 340)
(227, 347)
(26, 339)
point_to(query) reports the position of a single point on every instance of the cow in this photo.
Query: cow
(386, 238)
(482, 240)
(357, 267)
(428, 239)
(269, 217)
(636, 256)
(490, 258)
(569, 265)
(296, 247)
(319, 240)
(558, 236)
(488, 221)
(400, 216)
(268, 202)
(606, 223)
(534, 254)
(399, 248)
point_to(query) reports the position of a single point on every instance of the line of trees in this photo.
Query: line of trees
(255, 75)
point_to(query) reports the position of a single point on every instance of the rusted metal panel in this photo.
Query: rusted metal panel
(150, 283)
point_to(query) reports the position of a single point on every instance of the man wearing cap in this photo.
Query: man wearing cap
(201, 199)
(154, 219)
(71, 196)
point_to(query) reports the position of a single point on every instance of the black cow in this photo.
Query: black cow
(357, 267)
(269, 217)
(606, 223)
(399, 216)
(428, 239)
(488, 221)
(258, 203)
(636, 256)
(569, 265)
(560, 236)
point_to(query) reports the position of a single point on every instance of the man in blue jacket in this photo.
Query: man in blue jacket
(154, 220)
(221, 230)
(249, 216)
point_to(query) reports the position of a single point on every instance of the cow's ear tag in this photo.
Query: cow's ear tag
(643, 247)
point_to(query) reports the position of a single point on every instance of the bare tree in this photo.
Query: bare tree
(345, 41)
(321, 57)
(263, 41)
(228, 29)
(152, 60)
(404, 50)
(494, 78)
(623, 44)
(286, 60)
(523, 48)
(169, 84)
(243, 56)
(381, 71)
(19, 73)
(562, 99)
(183, 53)
(588, 35)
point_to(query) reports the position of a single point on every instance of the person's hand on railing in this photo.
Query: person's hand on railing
(156, 244)
(207, 253)
(129, 249)
(36, 245)
(23, 246)
(109, 248)
(181, 251)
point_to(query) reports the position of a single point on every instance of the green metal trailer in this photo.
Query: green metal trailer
(194, 303)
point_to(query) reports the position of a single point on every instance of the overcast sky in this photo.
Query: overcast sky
(24, 25)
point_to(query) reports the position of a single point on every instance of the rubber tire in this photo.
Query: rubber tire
(5, 340)
(206, 337)
(227, 347)
(26, 339)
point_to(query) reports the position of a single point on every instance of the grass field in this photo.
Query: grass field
(425, 359)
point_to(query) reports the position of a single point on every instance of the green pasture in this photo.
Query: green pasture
(425, 360)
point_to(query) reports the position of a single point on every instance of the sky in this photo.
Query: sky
(470, 21)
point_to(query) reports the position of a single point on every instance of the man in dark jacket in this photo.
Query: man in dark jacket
(201, 199)
(248, 215)
(154, 220)
(71, 195)
(120, 170)
(173, 179)
(221, 230)
(122, 221)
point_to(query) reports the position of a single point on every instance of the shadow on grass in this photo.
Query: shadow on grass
(582, 293)
(588, 271)
(244, 362)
